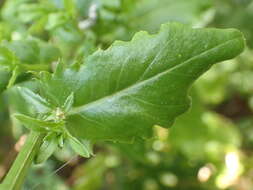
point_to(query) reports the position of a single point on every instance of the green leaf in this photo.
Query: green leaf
(68, 103)
(120, 93)
(61, 140)
(38, 27)
(16, 71)
(93, 177)
(39, 104)
(82, 148)
(56, 20)
(47, 148)
(70, 7)
(7, 58)
(48, 53)
(27, 51)
(38, 125)
(150, 14)
(30, 12)
(202, 130)
(4, 78)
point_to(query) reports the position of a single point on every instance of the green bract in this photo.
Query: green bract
(50, 120)
(120, 93)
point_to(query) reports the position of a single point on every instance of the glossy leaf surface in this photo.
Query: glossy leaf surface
(120, 93)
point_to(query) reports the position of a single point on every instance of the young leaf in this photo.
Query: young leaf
(38, 125)
(16, 71)
(61, 141)
(68, 103)
(47, 148)
(81, 148)
(120, 93)
(39, 104)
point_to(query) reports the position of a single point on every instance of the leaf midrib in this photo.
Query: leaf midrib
(80, 108)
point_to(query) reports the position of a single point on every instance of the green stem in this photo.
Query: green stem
(19, 169)
(16, 71)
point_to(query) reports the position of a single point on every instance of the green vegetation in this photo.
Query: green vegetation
(127, 94)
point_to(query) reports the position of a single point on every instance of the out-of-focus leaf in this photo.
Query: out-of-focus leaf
(70, 7)
(4, 78)
(38, 27)
(150, 14)
(48, 53)
(33, 11)
(204, 131)
(7, 58)
(55, 20)
(27, 51)
(92, 179)
(236, 14)
(40, 178)
(5, 31)
(16, 71)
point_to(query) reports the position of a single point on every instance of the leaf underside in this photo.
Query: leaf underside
(120, 93)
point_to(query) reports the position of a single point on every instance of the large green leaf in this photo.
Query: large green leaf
(120, 93)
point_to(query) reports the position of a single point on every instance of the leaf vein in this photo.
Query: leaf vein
(78, 109)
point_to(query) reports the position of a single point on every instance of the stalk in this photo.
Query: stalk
(15, 178)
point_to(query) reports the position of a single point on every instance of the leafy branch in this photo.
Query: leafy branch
(119, 94)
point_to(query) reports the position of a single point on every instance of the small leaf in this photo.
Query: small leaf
(36, 101)
(38, 125)
(81, 148)
(47, 148)
(61, 141)
(16, 71)
(68, 103)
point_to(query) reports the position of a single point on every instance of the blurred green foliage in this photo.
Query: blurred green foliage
(208, 148)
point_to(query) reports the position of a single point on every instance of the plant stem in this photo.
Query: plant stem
(14, 76)
(19, 169)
